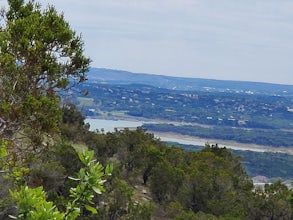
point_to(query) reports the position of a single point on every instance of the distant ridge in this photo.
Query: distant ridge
(111, 76)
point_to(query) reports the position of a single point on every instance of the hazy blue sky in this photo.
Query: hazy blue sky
(248, 40)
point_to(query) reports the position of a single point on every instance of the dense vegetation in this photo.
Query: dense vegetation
(268, 164)
(152, 180)
(273, 165)
(48, 156)
(266, 137)
(212, 108)
(246, 118)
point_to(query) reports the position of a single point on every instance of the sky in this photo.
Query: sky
(247, 40)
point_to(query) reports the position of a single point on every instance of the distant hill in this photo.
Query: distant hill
(111, 76)
(243, 112)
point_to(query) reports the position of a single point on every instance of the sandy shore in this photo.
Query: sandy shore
(191, 140)
(185, 139)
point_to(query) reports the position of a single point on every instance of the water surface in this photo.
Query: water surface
(110, 126)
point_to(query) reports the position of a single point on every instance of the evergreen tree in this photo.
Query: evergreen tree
(39, 55)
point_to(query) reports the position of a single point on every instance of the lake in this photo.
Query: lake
(110, 125)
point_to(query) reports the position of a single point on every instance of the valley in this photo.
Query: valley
(259, 117)
(256, 123)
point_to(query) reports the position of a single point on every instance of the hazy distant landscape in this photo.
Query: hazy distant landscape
(244, 112)
(247, 115)
(119, 77)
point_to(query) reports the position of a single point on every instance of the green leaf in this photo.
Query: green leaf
(72, 178)
(91, 209)
(3, 150)
(109, 169)
(97, 190)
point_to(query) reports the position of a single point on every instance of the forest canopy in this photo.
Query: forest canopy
(39, 55)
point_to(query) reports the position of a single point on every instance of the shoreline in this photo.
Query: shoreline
(191, 140)
(197, 141)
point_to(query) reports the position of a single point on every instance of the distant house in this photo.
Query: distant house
(259, 182)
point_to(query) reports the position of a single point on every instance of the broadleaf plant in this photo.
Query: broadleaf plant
(31, 203)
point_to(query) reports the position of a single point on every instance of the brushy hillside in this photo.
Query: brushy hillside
(53, 167)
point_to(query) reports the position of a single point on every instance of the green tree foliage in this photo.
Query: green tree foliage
(206, 181)
(32, 203)
(272, 202)
(209, 184)
(3, 155)
(72, 123)
(165, 181)
(39, 54)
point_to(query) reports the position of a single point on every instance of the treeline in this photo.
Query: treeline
(153, 181)
(272, 165)
(266, 137)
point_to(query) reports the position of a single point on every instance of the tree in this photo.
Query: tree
(39, 55)
(213, 185)
(165, 181)
(272, 202)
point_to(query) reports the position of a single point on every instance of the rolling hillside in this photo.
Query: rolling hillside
(111, 76)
